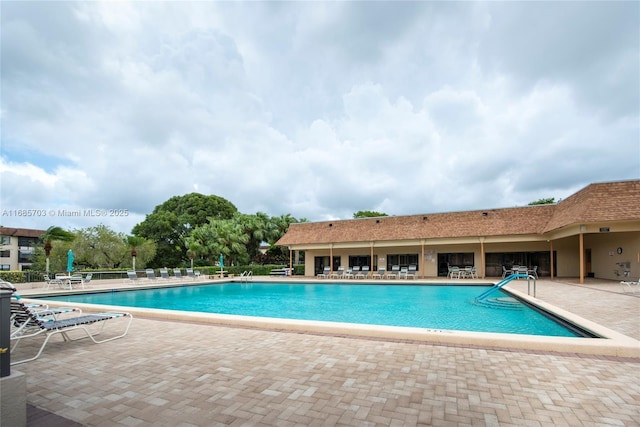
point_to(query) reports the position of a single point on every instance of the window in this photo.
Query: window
(27, 241)
(5, 254)
(5, 267)
(457, 259)
(403, 260)
(5, 240)
(25, 255)
(360, 260)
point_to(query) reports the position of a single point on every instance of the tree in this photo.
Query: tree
(220, 237)
(134, 242)
(368, 214)
(52, 234)
(194, 248)
(547, 201)
(100, 247)
(171, 222)
(276, 254)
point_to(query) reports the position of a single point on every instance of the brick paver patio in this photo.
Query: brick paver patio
(184, 374)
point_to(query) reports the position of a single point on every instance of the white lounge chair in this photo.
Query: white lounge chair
(164, 274)
(326, 272)
(31, 325)
(393, 274)
(151, 274)
(338, 273)
(363, 273)
(411, 272)
(348, 273)
(132, 276)
(177, 273)
(379, 274)
(631, 286)
(355, 270)
(76, 280)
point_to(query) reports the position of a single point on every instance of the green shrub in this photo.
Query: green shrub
(13, 276)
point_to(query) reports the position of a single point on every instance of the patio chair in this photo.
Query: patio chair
(132, 276)
(468, 272)
(338, 273)
(191, 274)
(76, 280)
(473, 273)
(403, 273)
(363, 273)
(533, 272)
(393, 274)
(151, 275)
(63, 280)
(355, 270)
(631, 286)
(50, 282)
(177, 273)
(506, 272)
(164, 274)
(380, 273)
(411, 272)
(326, 272)
(348, 274)
(454, 272)
(523, 271)
(33, 325)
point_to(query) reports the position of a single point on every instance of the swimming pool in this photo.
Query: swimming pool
(418, 306)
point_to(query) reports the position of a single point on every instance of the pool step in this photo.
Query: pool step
(504, 303)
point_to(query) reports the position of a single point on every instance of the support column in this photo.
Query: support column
(551, 258)
(424, 262)
(372, 261)
(330, 258)
(581, 258)
(482, 259)
(290, 261)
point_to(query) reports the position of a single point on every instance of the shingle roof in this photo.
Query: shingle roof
(604, 202)
(21, 232)
(617, 201)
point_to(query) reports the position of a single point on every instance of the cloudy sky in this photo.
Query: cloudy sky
(312, 109)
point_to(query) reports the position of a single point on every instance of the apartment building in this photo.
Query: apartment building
(17, 247)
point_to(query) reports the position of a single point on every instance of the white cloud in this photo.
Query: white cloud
(314, 109)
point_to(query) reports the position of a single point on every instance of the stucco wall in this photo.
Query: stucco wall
(607, 263)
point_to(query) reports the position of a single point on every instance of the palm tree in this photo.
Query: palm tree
(134, 242)
(54, 233)
(194, 249)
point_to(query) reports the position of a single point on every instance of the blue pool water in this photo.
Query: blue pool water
(428, 306)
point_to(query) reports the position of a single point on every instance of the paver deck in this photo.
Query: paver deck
(189, 374)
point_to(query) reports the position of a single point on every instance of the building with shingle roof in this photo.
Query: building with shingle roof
(595, 232)
(17, 247)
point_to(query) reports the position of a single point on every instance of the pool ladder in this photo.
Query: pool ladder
(246, 276)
